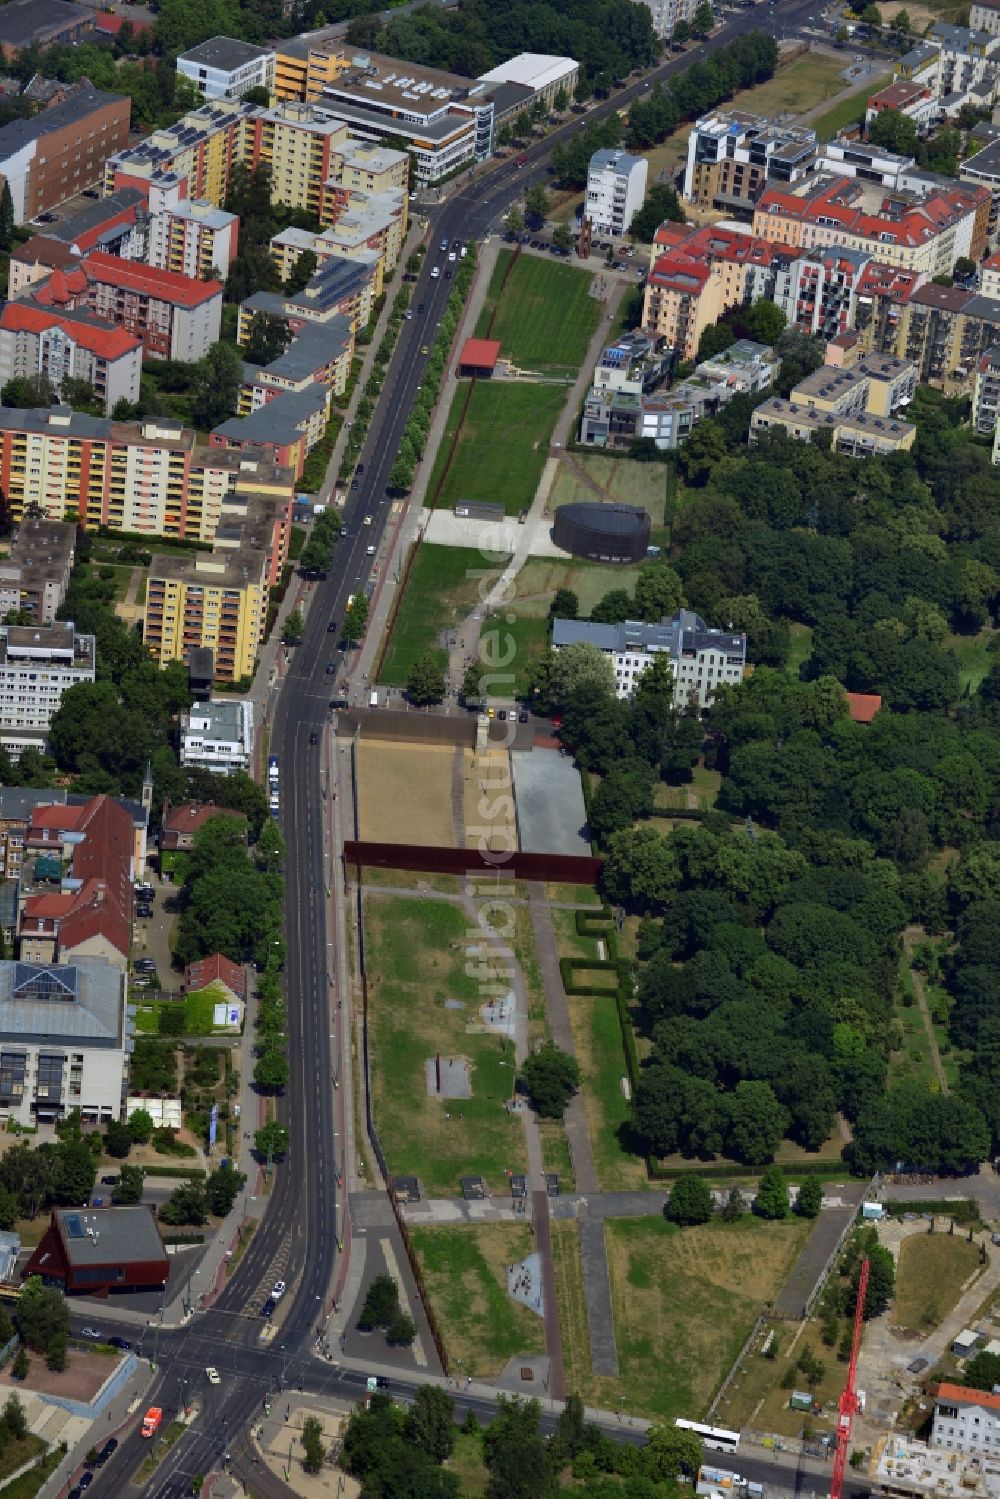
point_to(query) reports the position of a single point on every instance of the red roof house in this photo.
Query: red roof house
(479, 357)
(863, 706)
(220, 970)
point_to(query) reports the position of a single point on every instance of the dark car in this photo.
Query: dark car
(75, 1492)
(502, 715)
(107, 1451)
(420, 309)
(110, 1181)
(354, 484)
(268, 1307)
(143, 910)
(360, 469)
(116, 1341)
(330, 668)
(314, 737)
(331, 627)
(522, 716)
(145, 965)
(46, 218)
(86, 1479)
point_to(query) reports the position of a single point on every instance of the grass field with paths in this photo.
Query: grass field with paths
(503, 445)
(545, 316)
(442, 589)
(465, 1272)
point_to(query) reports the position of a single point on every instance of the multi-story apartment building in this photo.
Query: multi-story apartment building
(929, 234)
(63, 342)
(983, 170)
(173, 316)
(879, 305)
(361, 224)
(37, 665)
(966, 1420)
(300, 144)
(616, 188)
(51, 156)
(222, 68)
(109, 221)
(621, 407)
(701, 275)
(318, 354)
(818, 292)
(215, 601)
(341, 288)
(703, 659)
(984, 15)
(945, 331)
(668, 14)
(218, 736)
(65, 1039)
(732, 155)
(193, 239)
(855, 406)
(443, 120)
(149, 476)
(285, 427)
(633, 363)
(304, 65)
(986, 392)
(35, 574)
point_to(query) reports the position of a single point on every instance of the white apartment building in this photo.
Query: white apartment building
(64, 1040)
(966, 1420)
(37, 665)
(984, 15)
(218, 736)
(703, 659)
(616, 188)
(668, 14)
(222, 68)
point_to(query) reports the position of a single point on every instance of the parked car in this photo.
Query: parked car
(90, 1332)
(144, 909)
(108, 1450)
(278, 1289)
(117, 1342)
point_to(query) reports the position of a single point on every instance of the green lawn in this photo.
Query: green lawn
(597, 1041)
(799, 648)
(685, 1301)
(465, 1272)
(974, 656)
(417, 959)
(502, 447)
(442, 588)
(540, 577)
(545, 317)
(530, 638)
(848, 112)
(198, 1013)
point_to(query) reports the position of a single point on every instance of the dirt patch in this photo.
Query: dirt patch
(83, 1376)
(404, 792)
(488, 801)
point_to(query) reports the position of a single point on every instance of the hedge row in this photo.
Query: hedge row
(568, 968)
(722, 1172)
(179, 1239)
(189, 1173)
(962, 1209)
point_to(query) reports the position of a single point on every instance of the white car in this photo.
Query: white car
(368, 520)
(435, 273)
(278, 1290)
(90, 1332)
(371, 551)
(212, 1375)
(452, 257)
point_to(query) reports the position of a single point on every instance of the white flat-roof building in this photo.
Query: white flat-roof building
(223, 68)
(543, 74)
(218, 736)
(616, 187)
(37, 665)
(668, 14)
(703, 659)
(64, 1040)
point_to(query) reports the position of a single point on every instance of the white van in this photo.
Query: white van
(435, 273)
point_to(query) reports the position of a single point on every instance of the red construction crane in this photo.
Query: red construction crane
(849, 1399)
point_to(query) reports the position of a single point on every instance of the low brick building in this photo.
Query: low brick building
(92, 1251)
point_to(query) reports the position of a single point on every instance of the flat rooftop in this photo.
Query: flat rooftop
(910, 1467)
(388, 83)
(224, 53)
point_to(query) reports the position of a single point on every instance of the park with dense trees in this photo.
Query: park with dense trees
(770, 931)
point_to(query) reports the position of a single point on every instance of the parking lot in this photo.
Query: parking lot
(151, 935)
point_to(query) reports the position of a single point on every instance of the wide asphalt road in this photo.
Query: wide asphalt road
(296, 1240)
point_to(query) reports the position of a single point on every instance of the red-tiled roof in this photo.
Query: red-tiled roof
(217, 969)
(481, 352)
(107, 341)
(168, 286)
(59, 289)
(963, 1395)
(190, 816)
(863, 706)
(102, 862)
